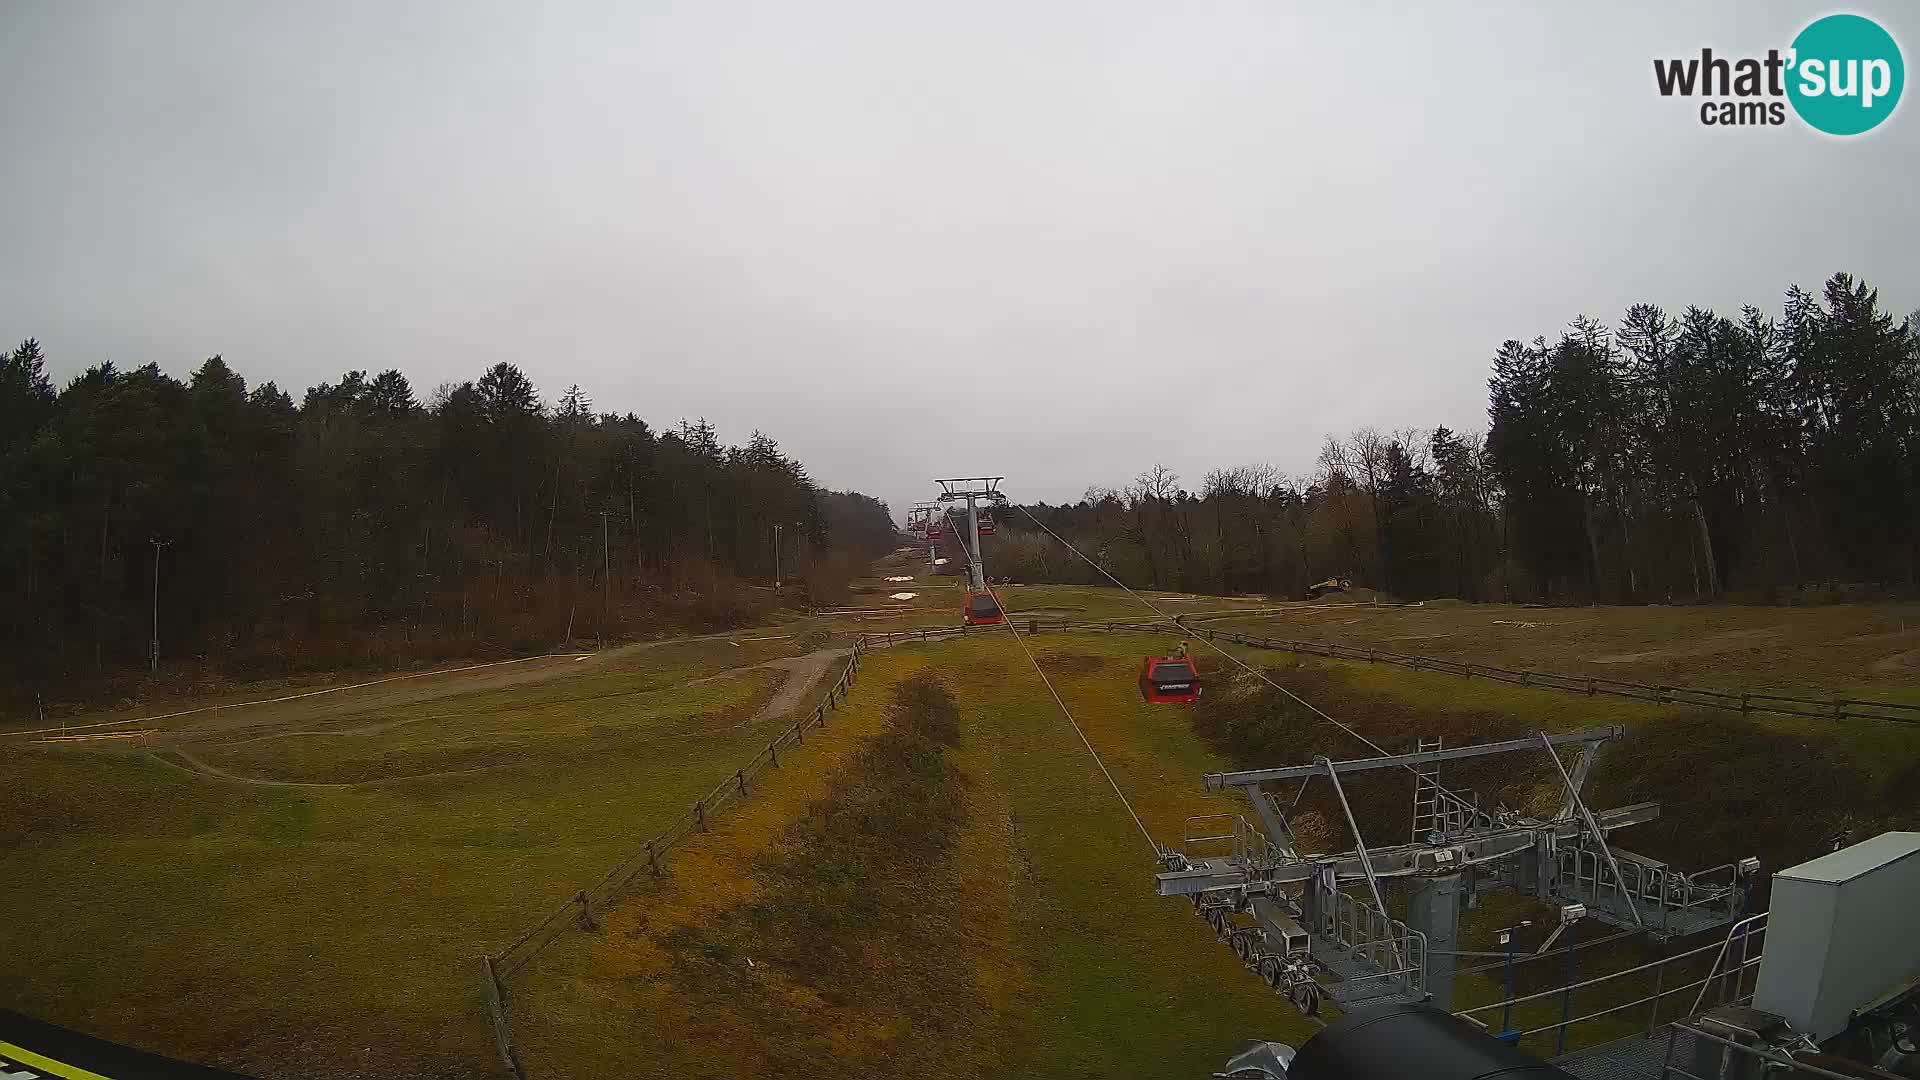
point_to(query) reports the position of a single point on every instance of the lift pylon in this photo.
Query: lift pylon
(973, 489)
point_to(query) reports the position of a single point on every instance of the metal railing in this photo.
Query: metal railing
(1728, 971)
(1396, 950)
(1657, 890)
(1241, 840)
(1694, 1031)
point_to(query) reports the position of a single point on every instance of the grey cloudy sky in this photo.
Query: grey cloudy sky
(1059, 241)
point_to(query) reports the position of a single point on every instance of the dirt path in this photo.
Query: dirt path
(802, 673)
(412, 688)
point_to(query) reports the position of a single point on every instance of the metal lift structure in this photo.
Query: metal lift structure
(975, 490)
(1314, 925)
(920, 521)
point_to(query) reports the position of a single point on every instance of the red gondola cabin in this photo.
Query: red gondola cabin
(986, 524)
(1170, 679)
(982, 610)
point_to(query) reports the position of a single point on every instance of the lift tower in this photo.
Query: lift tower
(973, 489)
(922, 513)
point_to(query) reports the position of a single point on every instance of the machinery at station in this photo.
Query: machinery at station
(1319, 926)
(1834, 994)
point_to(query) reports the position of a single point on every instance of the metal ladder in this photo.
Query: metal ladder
(1427, 816)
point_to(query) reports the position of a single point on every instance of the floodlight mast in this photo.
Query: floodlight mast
(972, 489)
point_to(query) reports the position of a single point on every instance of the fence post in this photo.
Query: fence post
(653, 859)
(1033, 626)
(497, 1012)
(1839, 707)
(820, 716)
(1469, 671)
(1662, 695)
(587, 921)
(1745, 705)
(700, 812)
(800, 732)
(1526, 678)
(1370, 656)
(773, 750)
(742, 777)
(1590, 686)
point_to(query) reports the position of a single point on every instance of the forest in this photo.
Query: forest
(363, 527)
(1666, 459)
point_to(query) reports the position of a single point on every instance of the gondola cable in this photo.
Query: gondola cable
(1068, 713)
(1244, 666)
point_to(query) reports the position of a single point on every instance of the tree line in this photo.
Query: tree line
(362, 526)
(1666, 458)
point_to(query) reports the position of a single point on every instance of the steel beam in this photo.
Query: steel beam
(1222, 781)
(1599, 834)
(1403, 860)
(1359, 844)
(1273, 821)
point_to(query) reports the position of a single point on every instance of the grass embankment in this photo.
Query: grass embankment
(1870, 650)
(1777, 787)
(315, 932)
(1125, 983)
(751, 950)
(984, 903)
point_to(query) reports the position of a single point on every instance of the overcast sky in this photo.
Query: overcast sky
(1058, 241)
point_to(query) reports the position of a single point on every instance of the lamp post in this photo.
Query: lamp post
(153, 663)
(1507, 1034)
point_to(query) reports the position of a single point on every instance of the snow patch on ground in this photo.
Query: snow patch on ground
(903, 596)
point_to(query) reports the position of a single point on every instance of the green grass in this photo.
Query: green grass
(616, 714)
(1124, 983)
(1871, 650)
(1043, 904)
(335, 932)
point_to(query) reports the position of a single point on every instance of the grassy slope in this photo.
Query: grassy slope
(1126, 983)
(316, 932)
(1872, 649)
(196, 916)
(606, 1004)
(1044, 905)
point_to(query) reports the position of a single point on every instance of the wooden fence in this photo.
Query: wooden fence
(583, 909)
(1837, 707)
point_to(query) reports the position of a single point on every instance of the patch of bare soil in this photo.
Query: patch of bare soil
(1900, 661)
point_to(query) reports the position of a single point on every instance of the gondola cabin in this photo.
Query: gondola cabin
(986, 524)
(982, 610)
(1169, 679)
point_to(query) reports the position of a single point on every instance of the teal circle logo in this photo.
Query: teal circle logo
(1846, 74)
